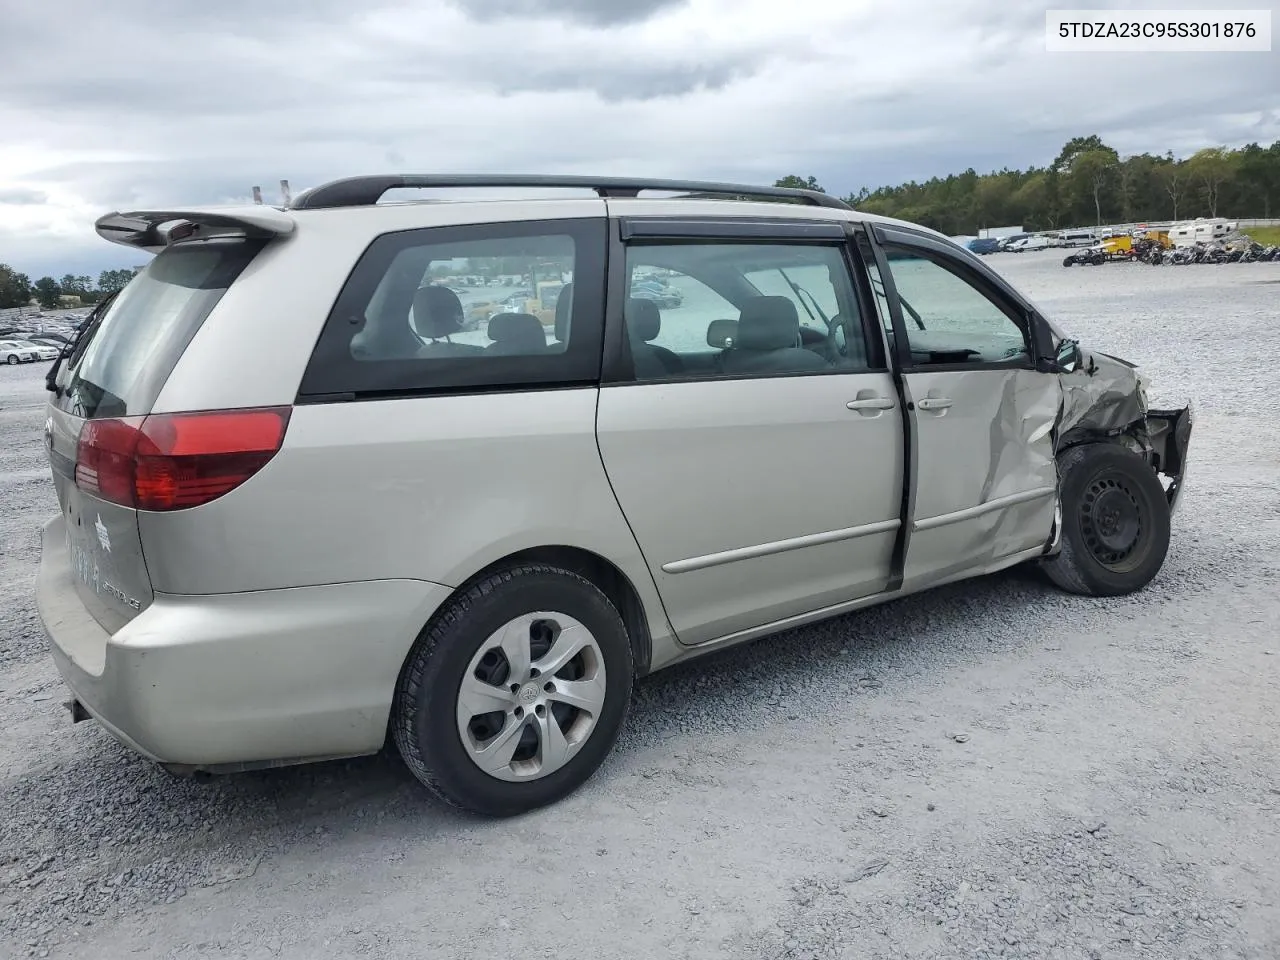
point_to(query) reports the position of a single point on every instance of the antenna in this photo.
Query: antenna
(257, 194)
(285, 194)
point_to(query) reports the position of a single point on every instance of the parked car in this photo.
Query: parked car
(474, 549)
(664, 295)
(1029, 243)
(1006, 242)
(45, 351)
(23, 351)
(984, 245)
(1077, 238)
(48, 339)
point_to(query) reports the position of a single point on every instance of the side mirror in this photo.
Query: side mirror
(1069, 358)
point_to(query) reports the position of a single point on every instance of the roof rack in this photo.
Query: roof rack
(365, 191)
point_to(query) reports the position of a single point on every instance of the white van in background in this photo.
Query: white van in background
(1029, 243)
(1078, 238)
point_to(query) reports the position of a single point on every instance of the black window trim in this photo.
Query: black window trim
(978, 275)
(872, 328)
(332, 374)
(617, 369)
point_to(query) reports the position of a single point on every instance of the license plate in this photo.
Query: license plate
(87, 569)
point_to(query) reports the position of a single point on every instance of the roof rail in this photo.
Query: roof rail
(364, 191)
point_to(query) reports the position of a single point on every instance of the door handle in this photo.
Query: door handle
(934, 403)
(871, 403)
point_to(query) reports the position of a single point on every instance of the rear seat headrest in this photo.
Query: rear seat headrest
(522, 330)
(437, 312)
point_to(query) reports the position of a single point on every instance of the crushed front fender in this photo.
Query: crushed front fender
(1105, 399)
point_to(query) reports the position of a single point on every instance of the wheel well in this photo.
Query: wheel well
(1124, 439)
(604, 574)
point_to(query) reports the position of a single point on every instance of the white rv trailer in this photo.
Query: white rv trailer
(1201, 230)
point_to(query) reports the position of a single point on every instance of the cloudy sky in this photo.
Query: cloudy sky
(136, 103)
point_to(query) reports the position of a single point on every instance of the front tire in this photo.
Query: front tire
(516, 691)
(1115, 522)
(12, 360)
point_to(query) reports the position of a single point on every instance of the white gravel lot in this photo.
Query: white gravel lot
(990, 769)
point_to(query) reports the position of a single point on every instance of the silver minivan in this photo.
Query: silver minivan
(390, 522)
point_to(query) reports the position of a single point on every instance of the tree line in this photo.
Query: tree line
(1088, 183)
(17, 290)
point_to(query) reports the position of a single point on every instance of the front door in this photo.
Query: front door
(981, 415)
(752, 432)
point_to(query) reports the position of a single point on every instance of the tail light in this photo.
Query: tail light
(172, 461)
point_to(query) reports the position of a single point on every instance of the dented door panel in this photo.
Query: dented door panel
(985, 478)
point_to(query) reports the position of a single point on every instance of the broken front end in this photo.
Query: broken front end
(1105, 398)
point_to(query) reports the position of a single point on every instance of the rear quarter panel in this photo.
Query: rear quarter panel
(430, 489)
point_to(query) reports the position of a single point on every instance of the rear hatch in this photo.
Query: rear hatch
(97, 416)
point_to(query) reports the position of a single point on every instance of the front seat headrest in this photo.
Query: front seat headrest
(644, 321)
(564, 307)
(437, 312)
(768, 323)
(517, 331)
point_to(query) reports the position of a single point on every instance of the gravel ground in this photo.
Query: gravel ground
(990, 769)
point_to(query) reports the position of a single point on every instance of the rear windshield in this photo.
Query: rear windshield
(131, 350)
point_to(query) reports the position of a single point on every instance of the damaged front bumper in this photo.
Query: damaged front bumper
(1169, 436)
(1105, 398)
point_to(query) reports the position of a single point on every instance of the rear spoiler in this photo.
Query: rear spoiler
(153, 230)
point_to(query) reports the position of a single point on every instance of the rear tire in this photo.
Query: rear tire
(459, 667)
(1115, 522)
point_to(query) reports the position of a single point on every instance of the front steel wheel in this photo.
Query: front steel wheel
(1115, 522)
(515, 692)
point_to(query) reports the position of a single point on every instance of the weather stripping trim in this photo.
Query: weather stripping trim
(779, 546)
(968, 513)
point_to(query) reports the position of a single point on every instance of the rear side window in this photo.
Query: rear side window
(451, 309)
(125, 358)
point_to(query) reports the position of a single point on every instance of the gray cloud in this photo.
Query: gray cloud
(601, 13)
(149, 103)
(22, 196)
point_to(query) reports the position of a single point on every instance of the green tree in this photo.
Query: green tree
(1211, 168)
(1091, 173)
(1173, 179)
(1257, 178)
(111, 281)
(793, 182)
(1073, 148)
(74, 285)
(1033, 199)
(47, 292)
(15, 287)
(1087, 180)
(1137, 186)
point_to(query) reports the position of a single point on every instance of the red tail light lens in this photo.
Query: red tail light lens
(176, 460)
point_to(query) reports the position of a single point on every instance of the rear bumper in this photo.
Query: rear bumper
(233, 681)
